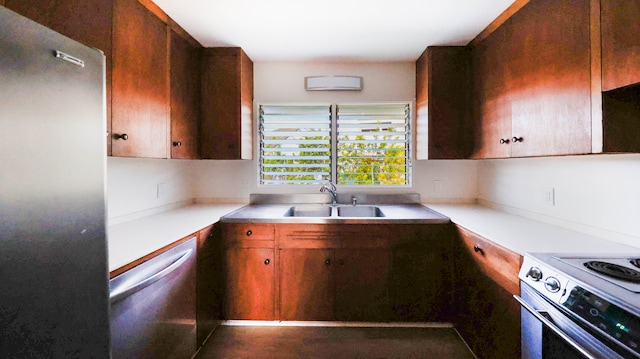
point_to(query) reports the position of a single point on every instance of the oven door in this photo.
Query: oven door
(548, 333)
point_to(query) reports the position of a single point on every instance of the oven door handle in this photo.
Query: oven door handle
(549, 324)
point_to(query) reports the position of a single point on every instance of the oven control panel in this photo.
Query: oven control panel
(544, 279)
(604, 316)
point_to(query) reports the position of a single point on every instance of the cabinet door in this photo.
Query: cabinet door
(140, 82)
(185, 98)
(306, 284)
(361, 284)
(491, 97)
(551, 78)
(88, 22)
(249, 283)
(227, 104)
(620, 43)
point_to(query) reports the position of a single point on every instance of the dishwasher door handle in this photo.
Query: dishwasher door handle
(549, 324)
(125, 289)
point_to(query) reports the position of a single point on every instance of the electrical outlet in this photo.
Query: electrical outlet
(550, 196)
(160, 190)
(437, 186)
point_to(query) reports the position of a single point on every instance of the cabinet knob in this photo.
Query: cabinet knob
(249, 233)
(477, 249)
(517, 139)
(327, 261)
(267, 261)
(504, 141)
(123, 136)
(177, 143)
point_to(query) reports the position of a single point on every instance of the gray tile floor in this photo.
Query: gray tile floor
(334, 343)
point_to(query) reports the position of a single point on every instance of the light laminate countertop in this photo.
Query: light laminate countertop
(523, 235)
(130, 241)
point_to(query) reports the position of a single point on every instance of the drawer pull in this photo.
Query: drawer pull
(477, 249)
(267, 261)
(249, 233)
(327, 261)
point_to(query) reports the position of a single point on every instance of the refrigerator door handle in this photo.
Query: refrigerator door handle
(125, 289)
(72, 59)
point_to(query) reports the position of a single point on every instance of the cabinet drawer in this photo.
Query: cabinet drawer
(498, 263)
(247, 231)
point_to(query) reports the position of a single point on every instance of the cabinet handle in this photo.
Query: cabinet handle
(327, 261)
(504, 141)
(177, 143)
(477, 249)
(249, 233)
(123, 136)
(267, 261)
(517, 139)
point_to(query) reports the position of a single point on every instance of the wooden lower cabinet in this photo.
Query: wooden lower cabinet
(249, 283)
(361, 278)
(487, 316)
(306, 284)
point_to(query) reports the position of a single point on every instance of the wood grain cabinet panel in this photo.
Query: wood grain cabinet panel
(249, 277)
(486, 315)
(185, 98)
(361, 278)
(443, 105)
(209, 281)
(140, 100)
(306, 284)
(227, 104)
(86, 21)
(620, 43)
(533, 83)
(249, 232)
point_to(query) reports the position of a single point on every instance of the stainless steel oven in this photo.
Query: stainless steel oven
(570, 310)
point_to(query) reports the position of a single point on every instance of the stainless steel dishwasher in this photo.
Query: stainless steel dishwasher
(153, 306)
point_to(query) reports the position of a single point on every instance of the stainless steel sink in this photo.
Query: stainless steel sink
(309, 211)
(360, 211)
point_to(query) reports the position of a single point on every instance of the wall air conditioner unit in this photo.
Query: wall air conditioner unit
(333, 83)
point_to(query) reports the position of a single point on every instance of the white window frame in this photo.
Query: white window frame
(334, 148)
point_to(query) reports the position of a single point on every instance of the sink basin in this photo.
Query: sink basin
(360, 211)
(309, 211)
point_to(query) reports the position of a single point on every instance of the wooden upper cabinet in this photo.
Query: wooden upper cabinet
(227, 104)
(620, 43)
(88, 22)
(491, 97)
(533, 83)
(443, 103)
(551, 78)
(185, 97)
(140, 96)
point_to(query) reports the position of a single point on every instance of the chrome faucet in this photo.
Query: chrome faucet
(331, 188)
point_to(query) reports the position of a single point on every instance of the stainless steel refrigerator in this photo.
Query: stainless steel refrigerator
(53, 252)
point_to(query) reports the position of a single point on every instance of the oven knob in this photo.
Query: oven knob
(552, 284)
(535, 273)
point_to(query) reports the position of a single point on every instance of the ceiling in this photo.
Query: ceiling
(333, 30)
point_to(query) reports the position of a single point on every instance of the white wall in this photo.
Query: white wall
(284, 82)
(132, 186)
(598, 194)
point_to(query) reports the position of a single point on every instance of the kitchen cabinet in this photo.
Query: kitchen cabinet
(209, 281)
(88, 22)
(532, 82)
(227, 104)
(306, 284)
(249, 272)
(140, 99)
(620, 43)
(443, 103)
(364, 273)
(185, 97)
(486, 315)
